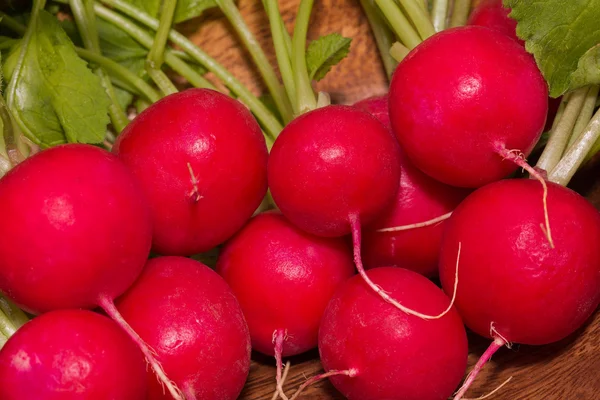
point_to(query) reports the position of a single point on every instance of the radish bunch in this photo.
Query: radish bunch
(365, 204)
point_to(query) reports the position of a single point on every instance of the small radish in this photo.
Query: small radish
(270, 256)
(71, 355)
(463, 96)
(420, 200)
(513, 286)
(333, 170)
(492, 14)
(371, 350)
(192, 320)
(202, 161)
(76, 233)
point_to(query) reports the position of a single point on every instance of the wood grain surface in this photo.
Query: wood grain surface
(568, 370)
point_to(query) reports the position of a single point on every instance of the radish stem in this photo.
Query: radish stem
(86, 25)
(280, 37)
(384, 37)
(576, 155)
(560, 136)
(272, 126)
(304, 91)
(419, 18)
(156, 55)
(230, 10)
(585, 115)
(399, 23)
(439, 14)
(398, 51)
(460, 13)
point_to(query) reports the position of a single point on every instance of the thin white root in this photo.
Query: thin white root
(492, 392)
(423, 224)
(195, 192)
(283, 378)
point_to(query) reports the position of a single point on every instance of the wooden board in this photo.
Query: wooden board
(566, 370)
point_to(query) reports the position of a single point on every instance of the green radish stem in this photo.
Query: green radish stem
(576, 155)
(561, 110)
(384, 37)
(262, 113)
(398, 51)
(399, 23)
(281, 39)
(306, 100)
(86, 25)
(585, 115)
(559, 138)
(15, 315)
(156, 55)
(109, 65)
(439, 13)
(419, 18)
(230, 10)
(460, 13)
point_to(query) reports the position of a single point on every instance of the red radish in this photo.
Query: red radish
(377, 106)
(333, 170)
(189, 315)
(202, 161)
(419, 199)
(462, 95)
(71, 355)
(492, 14)
(514, 287)
(76, 233)
(270, 256)
(385, 353)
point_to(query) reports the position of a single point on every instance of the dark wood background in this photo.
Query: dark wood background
(566, 370)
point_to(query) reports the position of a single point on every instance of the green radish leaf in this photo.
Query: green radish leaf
(324, 53)
(124, 97)
(59, 99)
(186, 9)
(562, 36)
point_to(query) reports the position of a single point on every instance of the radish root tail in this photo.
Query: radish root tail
(348, 372)
(498, 342)
(279, 336)
(356, 240)
(433, 221)
(517, 157)
(286, 370)
(490, 394)
(109, 307)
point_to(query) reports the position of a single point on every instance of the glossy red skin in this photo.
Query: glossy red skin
(225, 147)
(270, 256)
(459, 94)
(397, 356)
(75, 226)
(419, 198)
(377, 106)
(331, 163)
(71, 355)
(509, 275)
(492, 14)
(188, 314)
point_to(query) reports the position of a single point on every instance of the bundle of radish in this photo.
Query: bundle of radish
(270, 256)
(191, 318)
(72, 355)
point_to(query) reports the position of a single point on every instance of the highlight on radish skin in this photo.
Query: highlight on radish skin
(359, 332)
(191, 318)
(71, 355)
(560, 286)
(449, 108)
